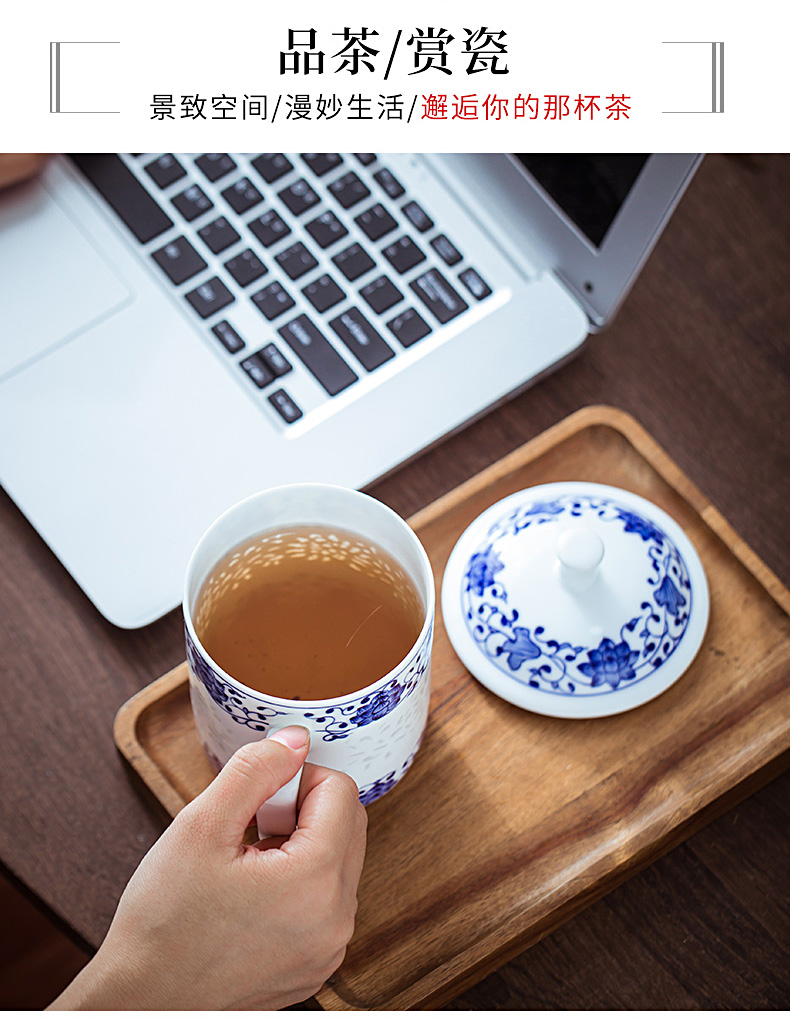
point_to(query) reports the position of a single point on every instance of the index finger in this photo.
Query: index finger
(331, 820)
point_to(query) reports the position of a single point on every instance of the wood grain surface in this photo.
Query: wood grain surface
(700, 354)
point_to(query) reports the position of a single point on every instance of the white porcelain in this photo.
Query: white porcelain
(575, 599)
(372, 734)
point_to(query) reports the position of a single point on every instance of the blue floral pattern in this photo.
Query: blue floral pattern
(668, 595)
(635, 524)
(609, 663)
(374, 790)
(482, 568)
(530, 656)
(552, 508)
(335, 722)
(520, 648)
(243, 709)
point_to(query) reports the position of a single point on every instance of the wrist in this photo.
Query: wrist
(109, 981)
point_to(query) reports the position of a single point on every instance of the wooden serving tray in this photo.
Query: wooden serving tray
(508, 822)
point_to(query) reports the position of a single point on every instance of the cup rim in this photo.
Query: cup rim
(298, 705)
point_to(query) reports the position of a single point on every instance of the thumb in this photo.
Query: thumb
(251, 776)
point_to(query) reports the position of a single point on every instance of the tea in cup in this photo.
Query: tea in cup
(312, 605)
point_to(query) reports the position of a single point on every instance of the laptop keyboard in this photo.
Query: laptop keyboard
(346, 268)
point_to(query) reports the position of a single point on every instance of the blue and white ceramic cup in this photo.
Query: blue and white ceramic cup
(372, 734)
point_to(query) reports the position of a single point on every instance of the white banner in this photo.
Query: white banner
(433, 75)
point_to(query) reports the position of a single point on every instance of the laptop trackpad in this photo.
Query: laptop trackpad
(55, 283)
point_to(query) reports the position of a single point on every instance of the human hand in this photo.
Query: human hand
(18, 166)
(208, 923)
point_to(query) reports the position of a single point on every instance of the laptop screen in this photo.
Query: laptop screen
(590, 189)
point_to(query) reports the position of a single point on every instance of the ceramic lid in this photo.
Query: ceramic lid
(575, 600)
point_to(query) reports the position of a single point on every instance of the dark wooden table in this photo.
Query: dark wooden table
(700, 354)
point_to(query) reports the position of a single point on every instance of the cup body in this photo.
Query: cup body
(372, 734)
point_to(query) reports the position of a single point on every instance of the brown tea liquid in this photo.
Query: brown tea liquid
(308, 613)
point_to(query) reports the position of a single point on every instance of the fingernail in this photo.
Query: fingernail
(293, 736)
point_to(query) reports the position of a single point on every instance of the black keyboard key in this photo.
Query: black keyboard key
(210, 297)
(353, 262)
(408, 327)
(296, 260)
(475, 284)
(366, 158)
(364, 342)
(381, 294)
(228, 337)
(246, 267)
(164, 170)
(299, 197)
(322, 162)
(438, 296)
(326, 229)
(318, 355)
(179, 260)
(275, 360)
(273, 301)
(349, 190)
(214, 165)
(124, 193)
(260, 374)
(323, 293)
(272, 165)
(391, 185)
(242, 195)
(375, 222)
(285, 406)
(417, 216)
(218, 235)
(403, 254)
(192, 203)
(269, 228)
(446, 250)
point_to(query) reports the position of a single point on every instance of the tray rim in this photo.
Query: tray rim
(126, 741)
(125, 723)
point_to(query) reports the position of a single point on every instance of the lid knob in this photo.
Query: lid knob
(579, 551)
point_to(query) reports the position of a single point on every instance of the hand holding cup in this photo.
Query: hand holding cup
(207, 922)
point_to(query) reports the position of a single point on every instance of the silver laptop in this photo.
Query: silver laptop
(179, 331)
